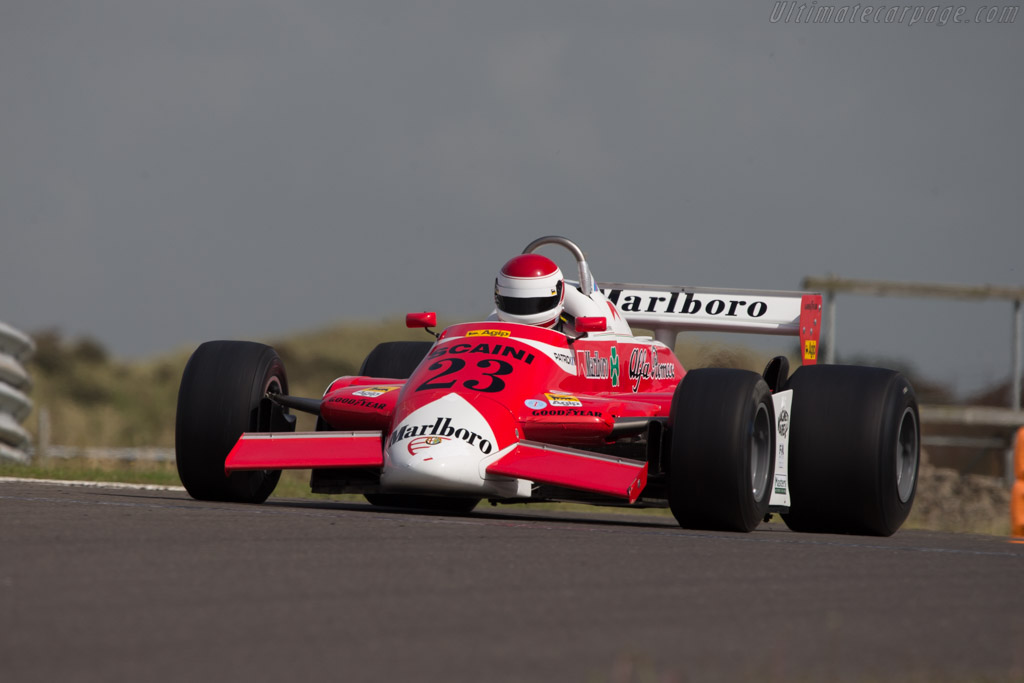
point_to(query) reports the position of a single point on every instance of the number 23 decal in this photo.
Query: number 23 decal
(452, 366)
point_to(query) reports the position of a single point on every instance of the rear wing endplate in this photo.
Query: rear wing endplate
(670, 310)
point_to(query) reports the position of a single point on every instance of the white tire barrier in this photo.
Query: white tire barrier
(15, 348)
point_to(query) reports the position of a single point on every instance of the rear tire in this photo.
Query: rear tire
(222, 394)
(722, 457)
(398, 360)
(854, 450)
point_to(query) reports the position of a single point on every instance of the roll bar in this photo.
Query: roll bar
(586, 279)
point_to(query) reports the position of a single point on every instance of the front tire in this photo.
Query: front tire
(222, 394)
(395, 360)
(722, 450)
(854, 450)
(398, 360)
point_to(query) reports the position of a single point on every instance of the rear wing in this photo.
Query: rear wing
(670, 310)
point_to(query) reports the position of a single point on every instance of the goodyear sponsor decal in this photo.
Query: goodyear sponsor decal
(488, 333)
(563, 400)
(567, 412)
(359, 403)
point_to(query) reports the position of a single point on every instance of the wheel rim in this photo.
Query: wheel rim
(261, 421)
(760, 452)
(907, 454)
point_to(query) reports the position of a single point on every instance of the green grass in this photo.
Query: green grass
(76, 469)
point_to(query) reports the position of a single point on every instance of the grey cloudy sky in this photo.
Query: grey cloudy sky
(175, 172)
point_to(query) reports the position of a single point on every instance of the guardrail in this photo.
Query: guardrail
(831, 284)
(973, 427)
(15, 348)
(983, 431)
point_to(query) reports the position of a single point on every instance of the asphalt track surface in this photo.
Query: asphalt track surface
(127, 585)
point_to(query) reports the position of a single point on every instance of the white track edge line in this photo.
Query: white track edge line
(91, 484)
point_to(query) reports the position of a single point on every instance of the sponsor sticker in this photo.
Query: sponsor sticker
(562, 400)
(783, 423)
(810, 350)
(592, 365)
(373, 392)
(443, 429)
(688, 304)
(359, 403)
(488, 333)
(643, 368)
(418, 444)
(567, 412)
(535, 404)
(565, 358)
(780, 483)
(505, 351)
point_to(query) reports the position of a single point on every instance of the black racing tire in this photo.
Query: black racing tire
(395, 360)
(854, 450)
(722, 453)
(222, 394)
(398, 360)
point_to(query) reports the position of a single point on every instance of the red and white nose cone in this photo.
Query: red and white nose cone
(442, 445)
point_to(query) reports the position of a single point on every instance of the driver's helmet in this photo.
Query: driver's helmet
(530, 290)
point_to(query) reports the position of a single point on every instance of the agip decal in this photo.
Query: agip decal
(374, 392)
(488, 333)
(563, 400)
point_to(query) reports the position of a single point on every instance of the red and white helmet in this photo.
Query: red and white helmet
(530, 290)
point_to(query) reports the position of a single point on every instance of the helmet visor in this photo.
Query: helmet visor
(528, 306)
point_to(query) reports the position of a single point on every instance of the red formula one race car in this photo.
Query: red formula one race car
(571, 408)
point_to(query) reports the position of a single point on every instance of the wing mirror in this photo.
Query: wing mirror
(424, 320)
(591, 324)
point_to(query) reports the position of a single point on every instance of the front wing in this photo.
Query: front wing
(541, 463)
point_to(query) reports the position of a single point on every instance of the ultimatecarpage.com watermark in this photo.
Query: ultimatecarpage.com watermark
(797, 12)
